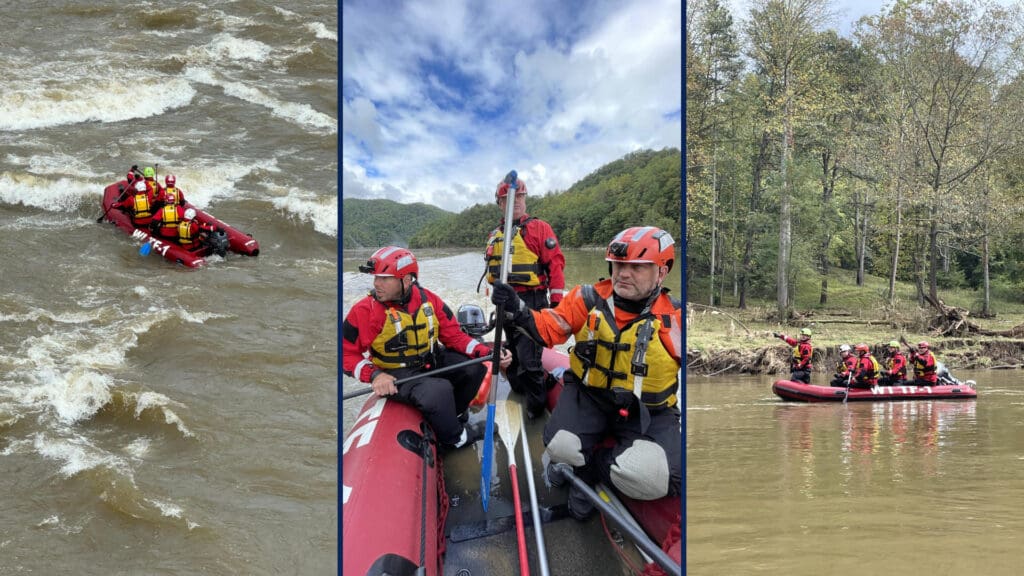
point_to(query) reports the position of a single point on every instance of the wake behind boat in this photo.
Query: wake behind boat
(404, 505)
(800, 392)
(224, 239)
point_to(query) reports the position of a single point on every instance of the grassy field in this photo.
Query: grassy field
(725, 336)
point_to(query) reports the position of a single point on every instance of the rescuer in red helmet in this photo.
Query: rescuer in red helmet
(397, 331)
(536, 274)
(623, 372)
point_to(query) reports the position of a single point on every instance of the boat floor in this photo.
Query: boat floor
(485, 543)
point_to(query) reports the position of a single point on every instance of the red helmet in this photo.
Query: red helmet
(642, 244)
(391, 261)
(170, 180)
(131, 177)
(923, 344)
(502, 190)
(862, 349)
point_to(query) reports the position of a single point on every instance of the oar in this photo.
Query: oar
(107, 211)
(608, 496)
(508, 419)
(414, 377)
(145, 249)
(538, 532)
(849, 378)
(638, 536)
(506, 251)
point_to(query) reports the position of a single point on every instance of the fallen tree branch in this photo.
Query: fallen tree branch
(720, 311)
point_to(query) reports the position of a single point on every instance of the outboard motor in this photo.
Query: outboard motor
(471, 320)
(218, 242)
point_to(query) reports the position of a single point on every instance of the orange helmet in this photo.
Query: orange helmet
(642, 245)
(862, 349)
(503, 187)
(391, 261)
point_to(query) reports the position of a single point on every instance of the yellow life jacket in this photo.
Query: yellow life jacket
(406, 340)
(169, 215)
(172, 195)
(526, 269)
(185, 232)
(606, 356)
(141, 207)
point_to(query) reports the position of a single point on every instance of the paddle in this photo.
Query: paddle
(638, 536)
(145, 249)
(107, 211)
(506, 250)
(415, 377)
(538, 532)
(849, 378)
(508, 419)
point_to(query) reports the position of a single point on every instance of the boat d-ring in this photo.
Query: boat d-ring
(464, 572)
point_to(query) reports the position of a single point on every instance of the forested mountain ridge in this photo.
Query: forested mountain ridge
(642, 188)
(373, 223)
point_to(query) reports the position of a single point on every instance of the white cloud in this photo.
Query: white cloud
(442, 98)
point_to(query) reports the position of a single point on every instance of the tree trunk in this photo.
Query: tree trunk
(986, 309)
(785, 216)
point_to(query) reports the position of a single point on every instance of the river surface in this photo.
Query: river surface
(573, 547)
(922, 487)
(154, 419)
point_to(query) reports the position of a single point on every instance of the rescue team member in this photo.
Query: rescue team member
(895, 367)
(865, 375)
(537, 269)
(191, 232)
(173, 196)
(844, 369)
(149, 177)
(623, 371)
(800, 366)
(165, 221)
(925, 372)
(139, 204)
(396, 331)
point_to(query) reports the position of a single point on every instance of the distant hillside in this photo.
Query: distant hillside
(642, 188)
(372, 223)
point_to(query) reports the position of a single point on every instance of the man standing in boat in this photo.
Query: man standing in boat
(537, 269)
(397, 331)
(623, 371)
(800, 366)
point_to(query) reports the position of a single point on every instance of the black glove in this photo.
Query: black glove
(776, 334)
(505, 296)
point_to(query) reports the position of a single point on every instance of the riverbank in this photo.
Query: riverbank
(729, 340)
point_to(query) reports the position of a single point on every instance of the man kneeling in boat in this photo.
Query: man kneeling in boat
(865, 375)
(623, 374)
(844, 369)
(397, 331)
(896, 367)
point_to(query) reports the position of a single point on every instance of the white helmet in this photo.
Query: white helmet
(844, 348)
(190, 213)
(140, 187)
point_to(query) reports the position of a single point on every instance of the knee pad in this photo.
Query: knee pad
(641, 471)
(566, 447)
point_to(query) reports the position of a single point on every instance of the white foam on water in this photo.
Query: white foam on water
(58, 195)
(77, 454)
(302, 114)
(227, 48)
(76, 99)
(321, 31)
(320, 211)
(138, 447)
(160, 402)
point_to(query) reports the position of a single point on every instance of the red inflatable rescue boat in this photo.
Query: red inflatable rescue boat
(800, 392)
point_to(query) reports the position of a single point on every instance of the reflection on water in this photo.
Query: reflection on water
(920, 487)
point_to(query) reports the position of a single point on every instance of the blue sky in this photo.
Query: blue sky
(440, 99)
